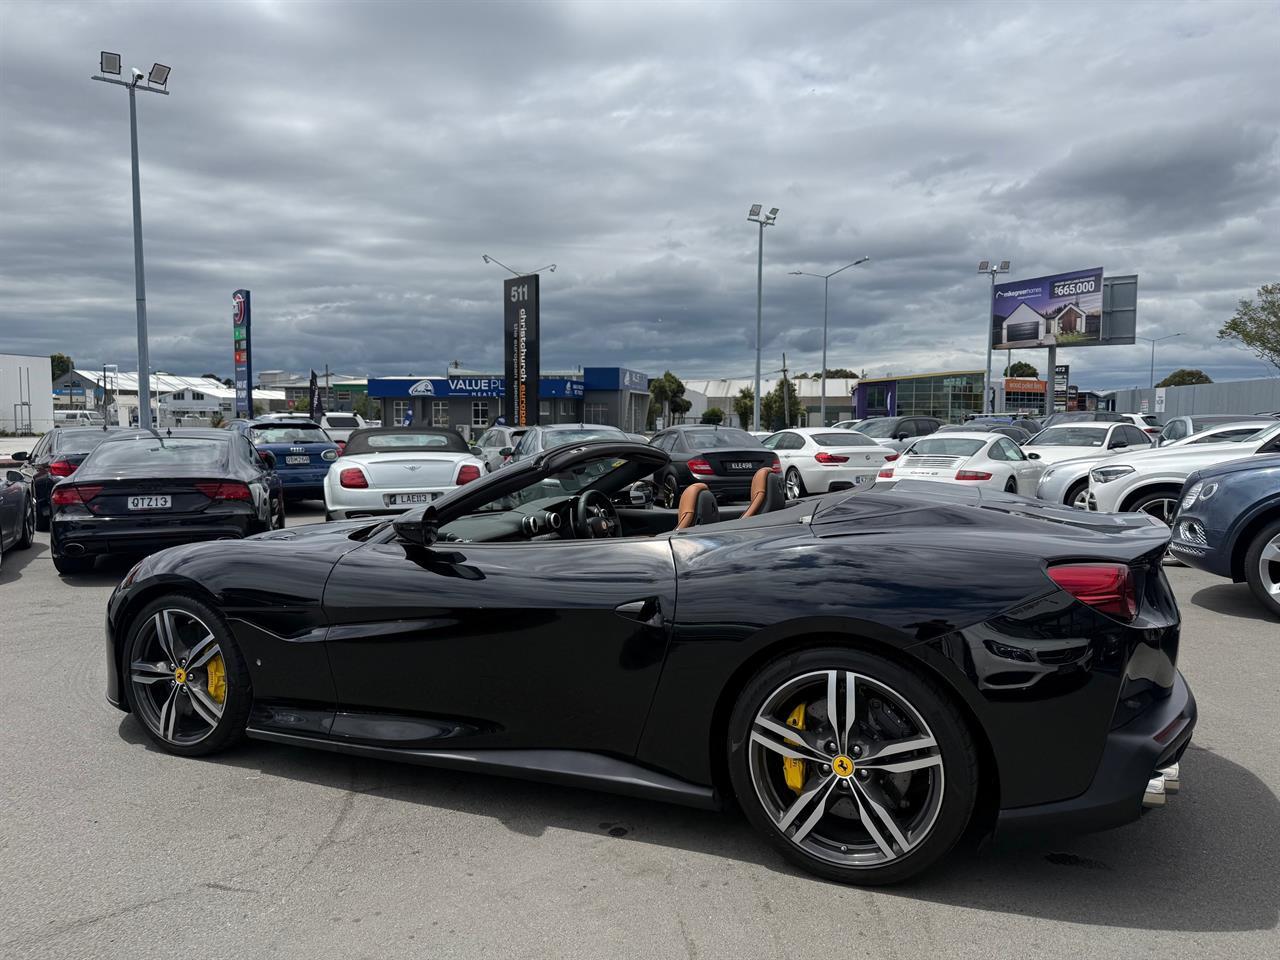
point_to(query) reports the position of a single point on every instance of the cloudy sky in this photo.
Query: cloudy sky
(350, 162)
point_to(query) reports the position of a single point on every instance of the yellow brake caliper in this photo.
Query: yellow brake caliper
(793, 770)
(216, 680)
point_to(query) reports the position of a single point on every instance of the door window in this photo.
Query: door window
(1175, 430)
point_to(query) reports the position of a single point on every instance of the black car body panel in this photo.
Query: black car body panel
(616, 662)
(1212, 534)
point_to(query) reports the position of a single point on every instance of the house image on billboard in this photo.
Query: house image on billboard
(1027, 325)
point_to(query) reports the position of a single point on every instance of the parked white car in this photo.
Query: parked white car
(1068, 441)
(821, 459)
(1151, 480)
(1146, 423)
(983, 459)
(1222, 433)
(339, 425)
(391, 469)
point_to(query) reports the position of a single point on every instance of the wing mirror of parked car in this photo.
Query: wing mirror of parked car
(1117, 445)
(20, 456)
(505, 452)
(642, 493)
(13, 476)
(420, 529)
(268, 459)
(476, 451)
(1033, 456)
(901, 436)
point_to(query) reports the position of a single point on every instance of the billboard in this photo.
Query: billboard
(521, 349)
(1063, 310)
(242, 350)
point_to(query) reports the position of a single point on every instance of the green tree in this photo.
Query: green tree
(60, 363)
(1256, 324)
(363, 406)
(837, 372)
(260, 407)
(743, 406)
(1184, 377)
(666, 398)
(774, 413)
(713, 415)
(1021, 368)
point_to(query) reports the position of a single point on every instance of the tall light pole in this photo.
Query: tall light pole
(826, 286)
(767, 220)
(157, 82)
(991, 267)
(1153, 341)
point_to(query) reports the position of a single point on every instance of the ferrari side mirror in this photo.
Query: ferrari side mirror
(422, 529)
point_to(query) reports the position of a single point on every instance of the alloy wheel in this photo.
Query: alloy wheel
(846, 768)
(1081, 500)
(793, 484)
(178, 677)
(1269, 567)
(1162, 509)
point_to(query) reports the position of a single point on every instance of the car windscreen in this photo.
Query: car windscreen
(178, 451)
(1070, 437)
(882, 427)
(558, 438)
(936, 446)
(287, 433)
(842, 438)
(73, 442)
(724, 438)
(337, 420)
(400, 441)
(1229, 436)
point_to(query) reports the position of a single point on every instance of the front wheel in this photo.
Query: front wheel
(28, 533)
(1011, 485)
(794, 484)
(853, 767)
(1160, 505)
(1078, 495)
(187, 681)
(668, 494)
(1262, 567)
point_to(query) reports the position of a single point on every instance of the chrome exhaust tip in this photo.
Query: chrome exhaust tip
(73, 549)
(1172, 778)
(1154, 795)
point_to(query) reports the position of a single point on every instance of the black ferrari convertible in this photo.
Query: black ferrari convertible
(869, 676)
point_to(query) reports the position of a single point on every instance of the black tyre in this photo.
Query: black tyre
(669, 492)
(1159, 503)
(1262, 567)
(278, 521)
(1078, 494)
(73, 564)
(794, 484)
(874, 797)
(186, 679)
(28, 532)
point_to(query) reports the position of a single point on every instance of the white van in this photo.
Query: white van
(78, 418)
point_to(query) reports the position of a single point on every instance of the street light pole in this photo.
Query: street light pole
(156, 83)
(1153, 342)
(991, 267)
(826, 286)
(766, 220)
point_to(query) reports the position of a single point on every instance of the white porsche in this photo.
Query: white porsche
(391, 469)
(972, 459)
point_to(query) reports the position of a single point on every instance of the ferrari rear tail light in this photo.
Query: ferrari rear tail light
(225, 491)
(823, 457)
(353, 479)
(65, 496)
(62, 468)
(468, 472)
(972, 475)
(885, 473)
(702, 468)
(1107, 587)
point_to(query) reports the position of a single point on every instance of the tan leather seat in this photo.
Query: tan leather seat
(759, 492)
(697, 506)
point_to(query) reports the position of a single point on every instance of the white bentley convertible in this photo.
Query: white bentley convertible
(391, 469)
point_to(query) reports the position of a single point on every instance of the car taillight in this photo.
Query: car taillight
(468, 472)
(342, 446)
(972, 475)
(225, 491)
(66, 496)
(776, 466)
(892, 457)
(62, 468)
(1107, 587)
(823, 457)
(353, 479)
(703, 468)
(885, 474)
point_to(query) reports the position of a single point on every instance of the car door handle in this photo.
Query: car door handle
(647, 611)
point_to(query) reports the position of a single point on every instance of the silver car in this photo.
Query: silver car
(495, 445)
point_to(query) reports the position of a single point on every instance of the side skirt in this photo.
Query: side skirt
(575, 768)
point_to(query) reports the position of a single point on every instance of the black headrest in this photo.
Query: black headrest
(774, 496)
(706, 510)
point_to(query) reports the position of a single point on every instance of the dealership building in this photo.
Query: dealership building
(470, 401)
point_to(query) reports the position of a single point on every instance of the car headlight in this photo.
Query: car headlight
(1107, 474)
(1209, 490)
(1192, 494)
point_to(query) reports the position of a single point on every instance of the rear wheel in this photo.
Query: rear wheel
(1262, 567)
(852, 767)
(277, 521)
(1078, 495)
(795, 484)
(28, 532)
(187, 680)
(668, 494)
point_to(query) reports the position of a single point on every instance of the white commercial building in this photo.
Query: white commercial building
(26, 394)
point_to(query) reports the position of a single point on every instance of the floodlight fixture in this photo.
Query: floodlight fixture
(1004, 266)
(755, 210)
(984, 266)
(109, 63)
(159, 75)
(764, 221)
(773, 213)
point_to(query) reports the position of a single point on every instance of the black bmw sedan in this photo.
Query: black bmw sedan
(140, 491)
(724, 458)
(869, 675)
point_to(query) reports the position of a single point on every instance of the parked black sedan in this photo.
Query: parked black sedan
(56, 455)
(17, 512)
(724, 458)
(140, 491)
(1228, 523)
(866, 705)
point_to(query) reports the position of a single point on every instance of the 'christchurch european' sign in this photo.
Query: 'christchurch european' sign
(521, 349)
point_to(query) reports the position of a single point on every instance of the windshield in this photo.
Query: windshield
(844, 438)
(1070, 437)
(185, 451)
(287, 433)
(936, 446)
(558, 438)
(882, 427)
(405, 440)
(565, 483)
(73, 442)
(721, 438)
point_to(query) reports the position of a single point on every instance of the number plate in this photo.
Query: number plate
(297, 460)
(150, 503)
(739, 466)
(400, 499)
(858, 481)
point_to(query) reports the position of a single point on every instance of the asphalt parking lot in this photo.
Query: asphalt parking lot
(110, 848)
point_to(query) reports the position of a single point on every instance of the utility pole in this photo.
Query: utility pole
(764, 220)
